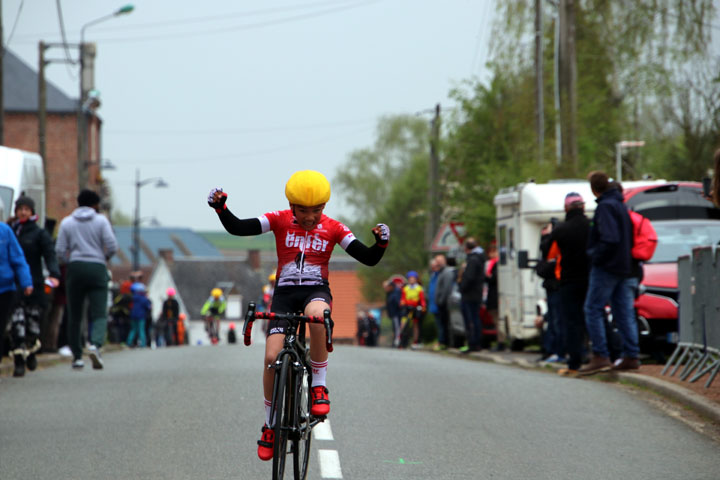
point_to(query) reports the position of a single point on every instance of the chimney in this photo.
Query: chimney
(167, 255)
(254, 259)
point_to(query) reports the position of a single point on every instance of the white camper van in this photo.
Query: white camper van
(521, 213)
(21, 172)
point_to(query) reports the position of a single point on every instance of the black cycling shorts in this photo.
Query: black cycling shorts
(294, 299)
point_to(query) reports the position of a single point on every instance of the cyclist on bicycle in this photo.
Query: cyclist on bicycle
(304, 239)
(413, 300)
(211, 311)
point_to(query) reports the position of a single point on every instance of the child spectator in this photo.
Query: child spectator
(138, 314)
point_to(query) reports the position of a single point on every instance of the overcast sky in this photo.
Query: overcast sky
(240, 94)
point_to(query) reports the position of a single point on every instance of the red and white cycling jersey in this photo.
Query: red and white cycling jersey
(303, 255)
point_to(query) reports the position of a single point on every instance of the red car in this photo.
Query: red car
(683, 219)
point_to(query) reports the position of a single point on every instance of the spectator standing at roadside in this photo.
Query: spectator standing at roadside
(553, 341)
(447, 279)
(393, 294)
(120, 313)
(432, 306)
(14, 271)
(571, 236)
(139, 312)
(611, 281)
(169, 314)
(715, 191)
(55, 332)
(37, 245)
(86, 242)
(491, 294)
(471, 291)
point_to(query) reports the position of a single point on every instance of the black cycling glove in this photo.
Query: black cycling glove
(219, 204)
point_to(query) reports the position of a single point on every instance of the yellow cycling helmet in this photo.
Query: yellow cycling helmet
(216, 292)
(307, 188)
(271, 277)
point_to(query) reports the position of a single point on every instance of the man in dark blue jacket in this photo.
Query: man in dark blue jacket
(611, 280)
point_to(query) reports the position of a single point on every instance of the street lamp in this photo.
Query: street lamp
(86, 84)
(159, 183)
(618, 155)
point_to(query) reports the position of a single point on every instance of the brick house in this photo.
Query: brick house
(20, 122)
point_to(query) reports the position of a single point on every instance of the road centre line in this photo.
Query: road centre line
(329, 464)
(322, 431)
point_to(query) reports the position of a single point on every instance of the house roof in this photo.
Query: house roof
(182, 241)
(195, 277)
(20, 84)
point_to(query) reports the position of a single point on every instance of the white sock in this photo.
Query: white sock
(319, 371)
(268, 404)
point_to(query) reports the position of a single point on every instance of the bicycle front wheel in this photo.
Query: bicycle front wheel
(281, 411)
(301, 444)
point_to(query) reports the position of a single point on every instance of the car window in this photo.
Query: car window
(667, 202)
(679, 238)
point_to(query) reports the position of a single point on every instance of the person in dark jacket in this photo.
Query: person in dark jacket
(611, 280)
(446, 279)
(393, 293)
(553, 335)
(167, 323)
(571, 237)
(37, 245)
(471, 293)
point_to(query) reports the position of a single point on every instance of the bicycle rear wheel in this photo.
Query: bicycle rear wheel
(301, 443)
(283, 417)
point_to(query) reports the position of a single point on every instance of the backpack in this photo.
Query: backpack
(644, 237)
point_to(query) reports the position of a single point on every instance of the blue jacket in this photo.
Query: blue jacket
(432, 287)
(12, 262)
(392, 303)
(140, 307)
(610, 239)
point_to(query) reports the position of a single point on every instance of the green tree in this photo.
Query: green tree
(388, 183)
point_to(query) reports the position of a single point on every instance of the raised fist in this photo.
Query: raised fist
(382, 234)
(216, 199)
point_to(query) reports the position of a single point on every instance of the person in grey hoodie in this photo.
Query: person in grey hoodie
(86, 242)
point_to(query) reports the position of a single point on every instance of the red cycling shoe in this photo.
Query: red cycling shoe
(266, 443)
(320, 401)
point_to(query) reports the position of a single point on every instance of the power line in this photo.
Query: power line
(17, 17)
(249, 26)
(62, 33)
(235, 155)
(236, 131)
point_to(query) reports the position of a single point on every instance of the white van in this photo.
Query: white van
(21, 172)
(521, 213)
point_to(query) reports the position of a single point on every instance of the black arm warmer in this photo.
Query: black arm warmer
(241, 227)
(369, 256)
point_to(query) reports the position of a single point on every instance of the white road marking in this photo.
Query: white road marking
(322, 431)
(329, 464)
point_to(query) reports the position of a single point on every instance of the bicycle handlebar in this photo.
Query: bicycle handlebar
(252, 315)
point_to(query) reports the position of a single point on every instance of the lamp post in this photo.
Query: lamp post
(618, 155)
(86, 84)
(159, 183)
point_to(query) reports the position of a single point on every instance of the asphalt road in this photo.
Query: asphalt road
(196, 412)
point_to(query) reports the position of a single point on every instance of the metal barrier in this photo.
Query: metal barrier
(698, 349)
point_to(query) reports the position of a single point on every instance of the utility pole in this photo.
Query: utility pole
(87, 83)
(42, 110)
(568, 84)
(433, 223)
(539, 79)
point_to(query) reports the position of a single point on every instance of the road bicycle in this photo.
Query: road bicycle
(407, 325)
(290, 409)
(211, 327)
